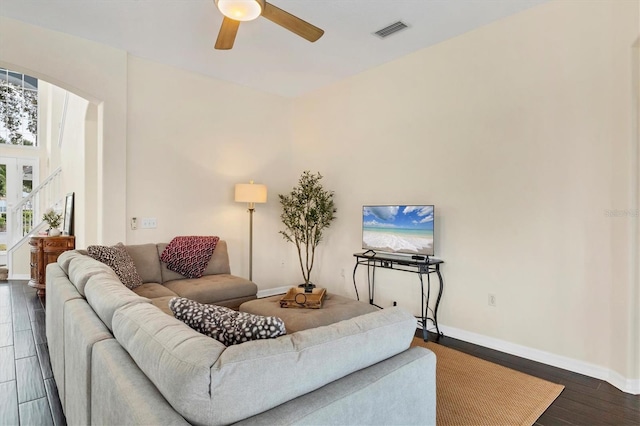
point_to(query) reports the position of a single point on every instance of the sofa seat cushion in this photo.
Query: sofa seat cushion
(162, 303)
(235, 303)
(227, 326)
(212, 288)
(153, 290)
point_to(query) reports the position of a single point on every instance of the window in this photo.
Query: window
(18, 108)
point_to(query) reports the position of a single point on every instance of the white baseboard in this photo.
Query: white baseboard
(272, 291)
(627, 385)
(19, 276)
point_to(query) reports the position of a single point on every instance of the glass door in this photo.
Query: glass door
(18, 177)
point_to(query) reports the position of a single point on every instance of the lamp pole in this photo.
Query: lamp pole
(251, 210)
(250, 193)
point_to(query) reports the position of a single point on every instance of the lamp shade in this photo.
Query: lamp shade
(240, 10)
(251, 193)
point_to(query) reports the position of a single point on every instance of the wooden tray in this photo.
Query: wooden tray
(297, 298)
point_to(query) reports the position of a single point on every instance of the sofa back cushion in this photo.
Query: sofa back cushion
(106, 294)
(285, 368)
(80, 268)
(147, 261)
(210, 384)
(64, 260)
(219, 263)
(176, 358)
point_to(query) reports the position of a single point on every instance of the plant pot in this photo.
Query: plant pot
(54, 232)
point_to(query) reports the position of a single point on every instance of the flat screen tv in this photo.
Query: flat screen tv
(398, 229)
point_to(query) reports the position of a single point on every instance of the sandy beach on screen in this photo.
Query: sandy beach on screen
(386, 242)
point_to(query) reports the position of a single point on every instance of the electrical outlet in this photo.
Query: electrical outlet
(134, 223)
(492, 300)
(149, 223)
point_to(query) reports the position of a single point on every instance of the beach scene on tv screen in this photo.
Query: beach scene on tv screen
(398, 229)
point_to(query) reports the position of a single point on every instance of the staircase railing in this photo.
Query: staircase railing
(21, 218)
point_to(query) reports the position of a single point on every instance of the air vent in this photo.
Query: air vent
(391, 29)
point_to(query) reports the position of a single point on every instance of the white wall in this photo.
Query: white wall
(90, 199)
(520, 133)
(97, 73)
(190, 140)
(50, 111)
(72, 158)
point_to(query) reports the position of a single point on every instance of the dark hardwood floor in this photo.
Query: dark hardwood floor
(28, 393)
(584, 400)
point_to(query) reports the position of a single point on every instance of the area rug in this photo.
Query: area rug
(472, 391)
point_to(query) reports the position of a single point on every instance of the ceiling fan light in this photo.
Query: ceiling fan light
(240, 10)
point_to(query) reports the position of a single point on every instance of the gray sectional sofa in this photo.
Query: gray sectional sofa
(216, 285)
(119, 358)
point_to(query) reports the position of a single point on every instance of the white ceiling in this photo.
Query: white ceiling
(265, 56)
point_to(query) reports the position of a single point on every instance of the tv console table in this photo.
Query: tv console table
(421, 266)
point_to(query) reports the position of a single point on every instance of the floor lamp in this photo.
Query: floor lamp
(251, 193)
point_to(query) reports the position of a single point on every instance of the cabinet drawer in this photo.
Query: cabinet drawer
(56, 244)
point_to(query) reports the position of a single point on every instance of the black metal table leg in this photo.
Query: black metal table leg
(435, 312)
(424, 310)
(355, 268)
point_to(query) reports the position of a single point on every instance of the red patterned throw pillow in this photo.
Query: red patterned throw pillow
(189, 256)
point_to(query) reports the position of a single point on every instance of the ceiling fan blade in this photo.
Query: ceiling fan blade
(292, 23)
(227, 34)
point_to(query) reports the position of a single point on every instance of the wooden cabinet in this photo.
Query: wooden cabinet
(45, 250)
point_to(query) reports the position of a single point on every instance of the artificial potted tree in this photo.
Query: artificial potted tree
(306, 212)
(54, 220)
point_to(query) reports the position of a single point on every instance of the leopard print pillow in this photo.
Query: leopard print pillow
(227, 326)
(118, 259)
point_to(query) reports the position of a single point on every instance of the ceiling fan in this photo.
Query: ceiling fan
(236, 11)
